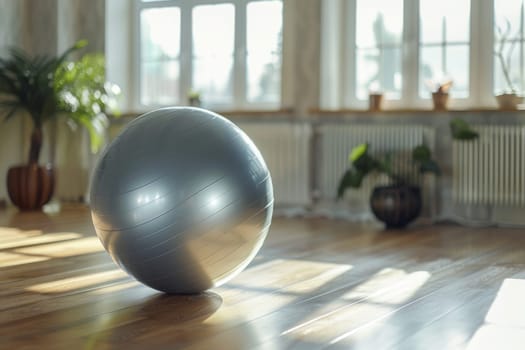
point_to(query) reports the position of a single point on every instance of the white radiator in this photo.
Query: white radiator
(286, 149)
(336, 141)
(491, 169)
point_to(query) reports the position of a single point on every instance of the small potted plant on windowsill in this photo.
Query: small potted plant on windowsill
(508, 99)
(375, 97)
(440, 93)
(194, 98)
(398, 203)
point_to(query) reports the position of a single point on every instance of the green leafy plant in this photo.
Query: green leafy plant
(85, 96)
(194, 98)
(461, 130)
(46, 87)
(362, 164)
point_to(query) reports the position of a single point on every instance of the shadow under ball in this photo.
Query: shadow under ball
(182, 199)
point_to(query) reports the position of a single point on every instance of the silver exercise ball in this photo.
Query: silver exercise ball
(182, 199)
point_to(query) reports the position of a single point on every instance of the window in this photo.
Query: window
(394, 36)
(403, 47)
(229, 52)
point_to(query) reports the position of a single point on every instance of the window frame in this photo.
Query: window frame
(239, 69)
(480, 60)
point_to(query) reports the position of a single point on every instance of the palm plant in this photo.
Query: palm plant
(48, 86)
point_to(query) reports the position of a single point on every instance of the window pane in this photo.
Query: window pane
(430, 68)
(212, 77)
(457, 59)
(160, 33)
(368, 71)
(444, 49)
(379, 22)
(159, 83)
(444, 21)
(390, 80)
(508, 13)
(264, 43)
(378, 69)
(159, 56)
(213, 45)
(436, 60)
(264, 78)
(509, 60)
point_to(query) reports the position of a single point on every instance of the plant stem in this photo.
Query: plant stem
(36, 145)
(505, 71)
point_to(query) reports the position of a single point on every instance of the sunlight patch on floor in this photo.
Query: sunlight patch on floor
(490, 337)
(116, 288)
(280, 273)
(371, 301)
(9, 259)
(256, 300)
(10, 233)
(65, 249)
(388, 303)
(505, 321)
(77, 282)
(403, 291)
(508, 309)
(39, 239)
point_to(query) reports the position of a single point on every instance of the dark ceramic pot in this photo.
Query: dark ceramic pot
(396, 205)
(30, 186)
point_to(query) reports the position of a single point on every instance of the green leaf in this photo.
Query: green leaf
(461, 130)
(422, 156)
(361, 160)
(385, 165)
(421, 153)
(352, 178)
(357, 152)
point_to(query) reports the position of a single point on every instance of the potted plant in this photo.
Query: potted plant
(400, 202)
(375, 97)
(462, 131)
(440, 93)
(45, 88)
(194, 98)
(509, 98)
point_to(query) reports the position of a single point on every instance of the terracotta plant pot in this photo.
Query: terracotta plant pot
(30, 186)
(375, 102)
(509, 101)
(440, 100)
(396, 205)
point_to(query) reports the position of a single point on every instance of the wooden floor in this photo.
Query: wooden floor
(315, 284)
